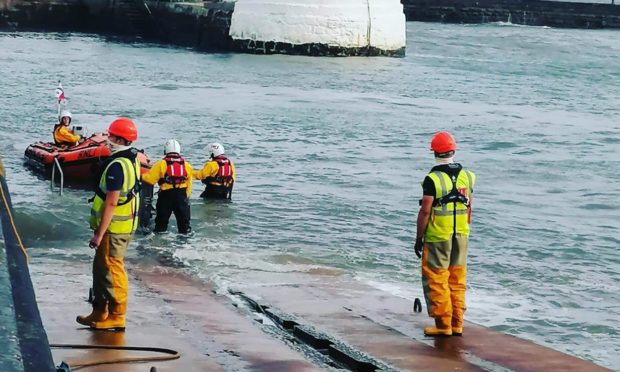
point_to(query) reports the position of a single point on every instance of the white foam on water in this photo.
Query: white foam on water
(399, 289)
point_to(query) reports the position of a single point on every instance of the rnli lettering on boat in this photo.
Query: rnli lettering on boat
(79, 163)
(86, 154)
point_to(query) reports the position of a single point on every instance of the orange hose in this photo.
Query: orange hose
(173, 354)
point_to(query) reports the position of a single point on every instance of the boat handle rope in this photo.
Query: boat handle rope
(10, 215)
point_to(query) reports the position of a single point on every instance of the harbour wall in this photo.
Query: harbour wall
(204, 26)
(207, 25)
(524, 12)
(324, 28)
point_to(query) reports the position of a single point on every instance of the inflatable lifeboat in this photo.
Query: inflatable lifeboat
(80, 163)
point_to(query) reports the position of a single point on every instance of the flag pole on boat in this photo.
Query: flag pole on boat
(60, 96)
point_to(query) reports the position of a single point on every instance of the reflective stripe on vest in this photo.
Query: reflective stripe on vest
(441, 225)
(124, 219)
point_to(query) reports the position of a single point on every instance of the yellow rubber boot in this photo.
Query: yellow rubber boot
(442, 328)
(457, 322)
(113, 322)
(98, 314)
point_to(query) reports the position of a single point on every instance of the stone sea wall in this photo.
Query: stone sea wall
(317, 27)
(525, 12)
(204, 26)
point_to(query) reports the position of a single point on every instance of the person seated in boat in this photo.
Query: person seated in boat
(62, 134)
(218, 174)
(174, 175)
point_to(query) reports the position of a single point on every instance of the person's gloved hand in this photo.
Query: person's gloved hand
(418, 247)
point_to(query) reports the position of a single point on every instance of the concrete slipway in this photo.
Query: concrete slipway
(317, 320)
(286, 322)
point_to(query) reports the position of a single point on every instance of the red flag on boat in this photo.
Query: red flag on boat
(60, 94)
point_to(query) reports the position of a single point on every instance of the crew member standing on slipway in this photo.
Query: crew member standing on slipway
(114, 219)
(442, 237)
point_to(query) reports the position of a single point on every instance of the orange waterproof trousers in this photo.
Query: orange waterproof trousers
(444, 273)
(110, 284)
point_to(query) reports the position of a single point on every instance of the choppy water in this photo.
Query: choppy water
(330, 153)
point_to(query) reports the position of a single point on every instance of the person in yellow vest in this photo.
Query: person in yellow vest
(174, 176)
(442, 236)
(114, 219)
(218, 174)
(62, 134)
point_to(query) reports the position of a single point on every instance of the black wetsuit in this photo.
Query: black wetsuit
(175, 201)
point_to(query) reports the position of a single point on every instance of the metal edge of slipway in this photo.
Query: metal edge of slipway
(334, 352)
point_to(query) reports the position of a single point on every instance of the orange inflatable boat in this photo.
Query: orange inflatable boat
(80, 163)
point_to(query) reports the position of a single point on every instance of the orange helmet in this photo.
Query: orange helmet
(443, 142)
(124, 128)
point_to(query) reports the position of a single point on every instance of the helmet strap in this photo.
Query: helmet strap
(118, 147)
(440, 161)
(444, 155)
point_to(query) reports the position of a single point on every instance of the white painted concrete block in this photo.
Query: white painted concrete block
(340, 23)
(388, 24)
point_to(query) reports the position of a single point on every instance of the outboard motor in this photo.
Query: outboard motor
(146, 207)
(79, 130)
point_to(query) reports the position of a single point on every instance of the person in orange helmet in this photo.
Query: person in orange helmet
(113, 219)
(442, 237)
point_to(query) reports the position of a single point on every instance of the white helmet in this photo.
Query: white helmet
(215, 150)
(172, 146)
(64, 113)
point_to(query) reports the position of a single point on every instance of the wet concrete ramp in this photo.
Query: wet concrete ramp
(62, 290)
(385, 328)
(273, 322)
(166, 309)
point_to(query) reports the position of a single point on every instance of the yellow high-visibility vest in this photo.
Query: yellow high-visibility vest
(450, 218)
(125, 218)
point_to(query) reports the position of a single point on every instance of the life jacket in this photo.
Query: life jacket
(176, 174)
(58, 140)
(224, 176)
(451, 211)
(56, 128)
(124, 219)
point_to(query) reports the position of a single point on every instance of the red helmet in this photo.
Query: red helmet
(443, 142)
(124, 128)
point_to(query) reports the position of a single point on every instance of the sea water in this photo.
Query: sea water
(330, 154)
